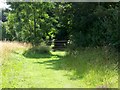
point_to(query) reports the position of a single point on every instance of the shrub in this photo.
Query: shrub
(40, 49)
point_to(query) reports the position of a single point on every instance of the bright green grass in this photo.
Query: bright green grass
(55, 71)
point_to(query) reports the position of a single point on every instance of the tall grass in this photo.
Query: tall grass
(95, 67)
(7, 47)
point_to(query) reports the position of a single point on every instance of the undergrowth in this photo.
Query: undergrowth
(94, 66)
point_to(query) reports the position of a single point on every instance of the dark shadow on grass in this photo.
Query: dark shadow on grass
(56, 64)
(64, 64)
(36, 55)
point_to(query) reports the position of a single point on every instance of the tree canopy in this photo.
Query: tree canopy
(83, 24)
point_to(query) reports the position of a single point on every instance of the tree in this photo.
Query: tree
(94, 24)
(30, 22)
(83, 24)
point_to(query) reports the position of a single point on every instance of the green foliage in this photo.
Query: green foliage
(95, 24)
(64, 14)
(40, 49)
(84, 24)
(30, 22)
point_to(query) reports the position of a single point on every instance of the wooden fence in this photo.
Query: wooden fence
(58, 44)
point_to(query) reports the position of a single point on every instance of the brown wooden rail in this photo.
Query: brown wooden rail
(58, 44)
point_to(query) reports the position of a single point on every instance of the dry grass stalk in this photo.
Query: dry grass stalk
(6, 47)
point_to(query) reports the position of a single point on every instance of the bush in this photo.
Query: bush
(41, 49)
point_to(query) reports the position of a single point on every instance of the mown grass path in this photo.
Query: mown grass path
(24, 69)
(42, 72)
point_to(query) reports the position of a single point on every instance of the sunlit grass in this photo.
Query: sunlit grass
(95, 67)
(7, 47)
(91, 68)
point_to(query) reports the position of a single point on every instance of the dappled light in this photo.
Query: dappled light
(61, 67)
(60, 45)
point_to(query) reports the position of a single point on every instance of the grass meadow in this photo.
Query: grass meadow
(90, 68)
